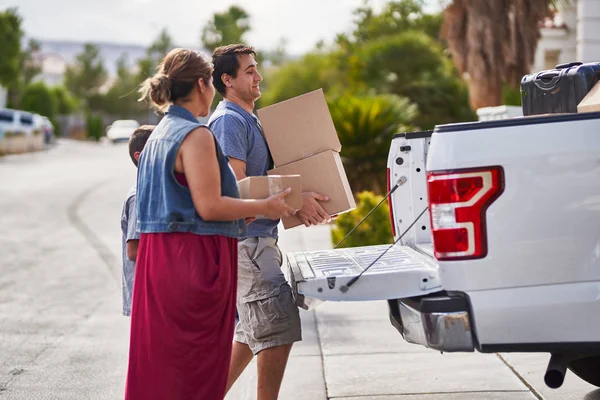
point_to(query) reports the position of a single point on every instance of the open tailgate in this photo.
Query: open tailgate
(317, 276)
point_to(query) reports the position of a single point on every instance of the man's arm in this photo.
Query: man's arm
(233, 139)
(239, 168)
(232, 136)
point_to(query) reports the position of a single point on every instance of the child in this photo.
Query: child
(131, 237)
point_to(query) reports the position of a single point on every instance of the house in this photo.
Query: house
(53, 67)
(56, 55)
(571, 34)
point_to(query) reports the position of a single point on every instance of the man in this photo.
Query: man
(269, 322)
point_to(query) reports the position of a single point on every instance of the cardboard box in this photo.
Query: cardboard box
(261, 187)
(322, 173)
(299, 128)
(591, 102)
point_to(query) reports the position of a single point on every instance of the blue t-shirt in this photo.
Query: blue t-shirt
(240, 135)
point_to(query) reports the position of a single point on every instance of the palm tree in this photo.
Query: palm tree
(493, 42)
(366, 125)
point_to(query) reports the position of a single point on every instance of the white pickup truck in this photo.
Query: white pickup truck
(507, 258)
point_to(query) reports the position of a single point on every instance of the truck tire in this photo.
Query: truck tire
(587, 369)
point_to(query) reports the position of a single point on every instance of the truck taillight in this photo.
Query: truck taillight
(389, 187)
(458, 201)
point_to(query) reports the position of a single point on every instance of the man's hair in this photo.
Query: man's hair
(138, 140)
(225, 61)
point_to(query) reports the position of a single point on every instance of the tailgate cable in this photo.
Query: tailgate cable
(401, 181)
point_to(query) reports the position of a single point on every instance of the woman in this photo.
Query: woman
(189, 215)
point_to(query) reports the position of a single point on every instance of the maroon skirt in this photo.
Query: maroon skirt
(183, 315)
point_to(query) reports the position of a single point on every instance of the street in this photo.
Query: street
(62, 335)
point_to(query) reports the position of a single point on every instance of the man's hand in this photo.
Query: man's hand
(249, 220)
(311, 212)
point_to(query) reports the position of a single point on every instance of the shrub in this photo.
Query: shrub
(375, 230)
(40, 99)
(95, 127)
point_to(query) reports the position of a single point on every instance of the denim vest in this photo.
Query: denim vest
(163, 204)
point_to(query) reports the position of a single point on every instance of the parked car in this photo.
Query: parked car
(16, 121)
(121, 130)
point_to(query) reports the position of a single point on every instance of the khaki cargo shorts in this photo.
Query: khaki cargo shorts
(268, 316)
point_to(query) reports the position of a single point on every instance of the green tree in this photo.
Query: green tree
(30, 64)
(318, 69)
(147, 66)
(428, 80)
(161, 45)
(40, 99)
(397, 51)
(29, 67)
(66, 103)
(366, 126)
(10, 51)
(121, 98)
(278, 55)
(375, 230)
(85, 78)
(396, 16)
(226, 28)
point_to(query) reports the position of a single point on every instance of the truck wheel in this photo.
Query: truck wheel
(587, 369)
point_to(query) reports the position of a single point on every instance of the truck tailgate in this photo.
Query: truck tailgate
(323, 275)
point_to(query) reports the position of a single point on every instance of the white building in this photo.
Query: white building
(573, 34)
(53, 68)
(3, 95)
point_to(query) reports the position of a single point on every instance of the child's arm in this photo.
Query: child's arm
(133, 236)
(132, 248)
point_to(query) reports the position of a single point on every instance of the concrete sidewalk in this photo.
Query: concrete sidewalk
(351, 351)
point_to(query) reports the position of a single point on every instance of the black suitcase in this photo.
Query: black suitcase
(558, 90)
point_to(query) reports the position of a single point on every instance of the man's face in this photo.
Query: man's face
(247, 83)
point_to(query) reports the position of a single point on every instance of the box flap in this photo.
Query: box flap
(261, 187)
(591, 102)
(299, 128)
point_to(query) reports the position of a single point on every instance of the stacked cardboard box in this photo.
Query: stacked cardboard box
(303, 141)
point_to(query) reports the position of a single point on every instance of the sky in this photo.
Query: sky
(301, 22)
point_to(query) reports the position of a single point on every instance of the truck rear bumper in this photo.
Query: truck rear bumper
(438, 321)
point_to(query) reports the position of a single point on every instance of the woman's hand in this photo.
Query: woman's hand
(275, 206)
